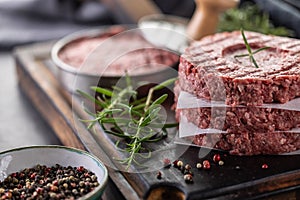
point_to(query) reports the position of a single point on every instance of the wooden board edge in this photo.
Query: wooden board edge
(28, 55)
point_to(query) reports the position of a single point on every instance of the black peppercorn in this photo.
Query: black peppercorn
(188, 178)
(158, 175)
(42, 182)
(188, 167)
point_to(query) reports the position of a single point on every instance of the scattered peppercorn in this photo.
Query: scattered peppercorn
(42, 182)
(167, 163)
(216, 158)
(188, 178)
(221, 162)
(179, 163)
(158, 175)
(175, 163)
(206, 164)
(264, 166)
(188, 167)
(199, 165)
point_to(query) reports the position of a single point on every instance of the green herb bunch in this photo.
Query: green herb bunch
(134, 120)
(250, 18)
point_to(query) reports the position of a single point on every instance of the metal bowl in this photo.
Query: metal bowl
(170, 31)
(73, 78)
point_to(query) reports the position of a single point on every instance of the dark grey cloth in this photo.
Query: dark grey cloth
(27, 21)
(283, 13)
(182, 8)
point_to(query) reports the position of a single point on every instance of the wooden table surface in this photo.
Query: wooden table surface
(20, 123)
(281, 181)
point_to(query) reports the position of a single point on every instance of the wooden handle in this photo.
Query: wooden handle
(130, 11)
(206, 17)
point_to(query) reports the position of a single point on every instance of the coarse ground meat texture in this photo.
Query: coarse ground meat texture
(209, 69)
(245, 118)
(250, 129)
(236, 119)
(113, 54)
(251, 143)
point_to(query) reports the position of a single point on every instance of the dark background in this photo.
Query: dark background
(27, 21)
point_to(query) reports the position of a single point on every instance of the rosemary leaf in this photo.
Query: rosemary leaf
(164, 84)
(89, 97)
(134, 112)
(250, 53)
(139, 102)
(260, 49)
(117, 134)
(128, 80)
(145, 156)
(151, 116)
(139, 107)
(125, 115)
(102, 91)
(116, 120)
(241, 55)
(254, 61)
(155, 139)
(246, 42)
(90, 113)
(170, 125)
(161, 99)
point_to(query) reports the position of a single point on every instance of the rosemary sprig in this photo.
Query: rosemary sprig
(250, 53)
(134, 120)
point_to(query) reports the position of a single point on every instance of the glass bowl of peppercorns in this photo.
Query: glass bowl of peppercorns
(51, 172)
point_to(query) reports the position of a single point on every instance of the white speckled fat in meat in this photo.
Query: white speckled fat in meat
(250, 130)
(276, 80)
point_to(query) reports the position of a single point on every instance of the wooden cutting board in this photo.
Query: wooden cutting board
(238, 178)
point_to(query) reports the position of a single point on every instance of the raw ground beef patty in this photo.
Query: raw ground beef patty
(250, 130)
(234, 119)
(114, 52)
(209, 70)
(251, 143)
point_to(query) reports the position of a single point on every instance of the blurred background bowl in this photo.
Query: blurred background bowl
(118, 48)
(169, 31)
(17, 159)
